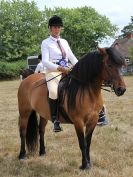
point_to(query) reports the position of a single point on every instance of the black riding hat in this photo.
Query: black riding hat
(55, 21)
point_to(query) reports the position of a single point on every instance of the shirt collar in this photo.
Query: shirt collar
(54, 39)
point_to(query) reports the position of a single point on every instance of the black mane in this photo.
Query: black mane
(86, 72)
(88, 68)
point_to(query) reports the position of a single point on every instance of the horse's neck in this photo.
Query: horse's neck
(61, 88)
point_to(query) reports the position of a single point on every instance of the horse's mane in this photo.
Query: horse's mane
(87, 68)
(86, 71)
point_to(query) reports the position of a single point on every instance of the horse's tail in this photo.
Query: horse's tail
(32, 132)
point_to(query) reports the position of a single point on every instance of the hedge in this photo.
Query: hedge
(11, 70)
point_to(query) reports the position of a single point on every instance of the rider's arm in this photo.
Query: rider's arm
(45, 58)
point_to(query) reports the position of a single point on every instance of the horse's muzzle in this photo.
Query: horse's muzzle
(119, 91)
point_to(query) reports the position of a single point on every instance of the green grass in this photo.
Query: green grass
(111, 148)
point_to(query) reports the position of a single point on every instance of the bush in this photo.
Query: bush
(11, 70)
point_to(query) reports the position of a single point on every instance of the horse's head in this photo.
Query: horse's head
(113, 62)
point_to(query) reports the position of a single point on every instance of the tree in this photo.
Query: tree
(22, 28)
(127, 29)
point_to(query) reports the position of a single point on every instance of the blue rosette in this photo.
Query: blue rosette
(63, 62)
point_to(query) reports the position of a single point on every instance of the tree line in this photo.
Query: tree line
(23, 26)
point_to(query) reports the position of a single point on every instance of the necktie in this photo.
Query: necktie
(62, 49)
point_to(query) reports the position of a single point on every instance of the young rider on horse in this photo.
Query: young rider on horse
(55, 55)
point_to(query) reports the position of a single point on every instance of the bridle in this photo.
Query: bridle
(109, 85)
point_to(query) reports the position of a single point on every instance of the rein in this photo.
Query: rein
(103, 85)
(48, 80)
(107, 89)
(52, 78)
(73, 77)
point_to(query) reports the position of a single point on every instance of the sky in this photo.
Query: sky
(119, 12)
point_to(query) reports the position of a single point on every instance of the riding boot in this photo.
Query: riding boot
(102, 118)
(53, 109)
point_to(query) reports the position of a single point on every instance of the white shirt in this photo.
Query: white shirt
(51, 53)
(39, 68)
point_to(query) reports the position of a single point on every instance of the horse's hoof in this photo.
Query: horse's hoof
(42, 153)
(85, 167)
(22, 157)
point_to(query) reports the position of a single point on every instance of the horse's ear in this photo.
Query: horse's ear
(102, 51)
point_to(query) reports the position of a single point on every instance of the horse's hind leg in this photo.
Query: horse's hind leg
(23, 121)
(42, 125)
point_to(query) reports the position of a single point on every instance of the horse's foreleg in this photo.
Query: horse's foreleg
(88, 137)
(22, 130)
(42, 125)
(82, 145)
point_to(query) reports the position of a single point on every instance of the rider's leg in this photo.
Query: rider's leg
(53, 108)
(102, 117)
(53, 99)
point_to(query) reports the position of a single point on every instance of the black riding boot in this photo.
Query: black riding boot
(53, 109)
(102, 118)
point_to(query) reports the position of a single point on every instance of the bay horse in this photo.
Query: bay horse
(80, 100)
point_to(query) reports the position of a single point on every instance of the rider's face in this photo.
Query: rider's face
(55, 31)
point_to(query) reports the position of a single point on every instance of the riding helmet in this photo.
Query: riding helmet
(55, 21)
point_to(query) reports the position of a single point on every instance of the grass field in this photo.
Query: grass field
(111, 148)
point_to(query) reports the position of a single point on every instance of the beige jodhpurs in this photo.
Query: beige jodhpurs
(53, 84)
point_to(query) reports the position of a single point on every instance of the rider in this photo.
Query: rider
(55, 55)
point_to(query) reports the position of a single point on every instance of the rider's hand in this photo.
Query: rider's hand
(64, 70)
